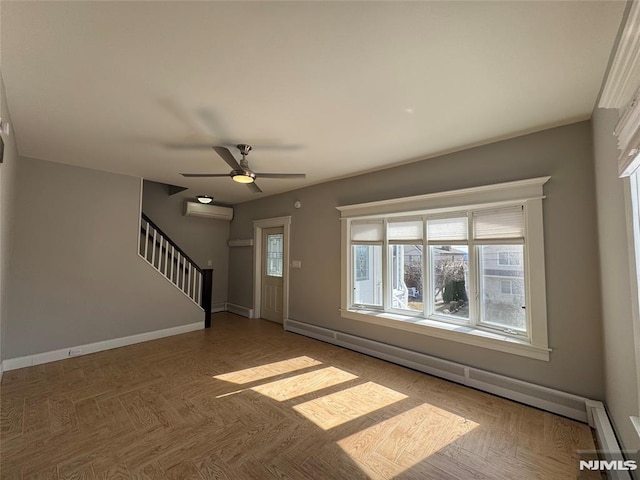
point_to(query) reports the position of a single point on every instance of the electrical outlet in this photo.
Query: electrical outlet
(74, 352)
(296, 264)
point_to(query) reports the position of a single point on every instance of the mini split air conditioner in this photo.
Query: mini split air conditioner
(193, 209)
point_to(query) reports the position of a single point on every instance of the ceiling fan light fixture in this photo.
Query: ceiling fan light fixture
(241, 176)
(206, 199)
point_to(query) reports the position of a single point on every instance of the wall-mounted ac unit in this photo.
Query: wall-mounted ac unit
(193, 209)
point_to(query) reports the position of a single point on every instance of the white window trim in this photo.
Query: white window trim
(527, 192)
(621, 91)
(632, 214)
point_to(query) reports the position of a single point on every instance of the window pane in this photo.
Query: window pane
(502, 286)
(406, 277)
(451, 280)
(367, 274)
(274, 255)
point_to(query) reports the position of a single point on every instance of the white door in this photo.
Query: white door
(272, 272)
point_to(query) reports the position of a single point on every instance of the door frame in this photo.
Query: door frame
(258, 226)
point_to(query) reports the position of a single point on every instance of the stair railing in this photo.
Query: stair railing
(175, 265)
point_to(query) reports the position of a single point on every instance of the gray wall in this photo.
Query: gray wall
(202, 239)
(621, 379)
(571, 252)
(8, 172)
(76, 276)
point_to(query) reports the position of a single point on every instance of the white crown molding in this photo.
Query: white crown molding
(624, 75)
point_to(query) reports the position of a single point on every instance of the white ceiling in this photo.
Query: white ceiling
(342, 87)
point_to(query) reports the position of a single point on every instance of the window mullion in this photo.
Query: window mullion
(427, 274)
(350, 273)
(386, 271)
(474, 283)
(351, 281)
(527, 288)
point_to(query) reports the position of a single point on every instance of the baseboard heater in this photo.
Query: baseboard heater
(555, 401)
(608, 446)
(566, 404)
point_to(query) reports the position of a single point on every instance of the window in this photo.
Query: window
(366, 241)
(505, 287)
(405, 252)
(274, 255)
(509, 258)
(634, 255)
(361, 262)
(458, 272)
(503, 299)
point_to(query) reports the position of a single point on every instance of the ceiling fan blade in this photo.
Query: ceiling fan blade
(189, 175)
(281, 175)
(192, 146)
(225, 154)
(254, 188)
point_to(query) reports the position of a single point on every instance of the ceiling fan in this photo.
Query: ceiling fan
(241, 172)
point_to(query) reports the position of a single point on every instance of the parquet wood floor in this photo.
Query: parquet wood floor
(246, 400)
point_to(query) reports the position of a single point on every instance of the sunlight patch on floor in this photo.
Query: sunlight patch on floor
(268, 370)
(399, 443)
(305, 383)
(337, 408)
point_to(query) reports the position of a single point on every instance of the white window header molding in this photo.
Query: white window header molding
(485, 195)
(622, 91)
(624, 76)
(628, 133)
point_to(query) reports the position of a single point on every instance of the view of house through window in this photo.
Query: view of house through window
(502, 284)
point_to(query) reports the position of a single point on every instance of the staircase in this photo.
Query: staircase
(162, 253)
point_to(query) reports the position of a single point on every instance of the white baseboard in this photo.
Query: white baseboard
(219, 307)
(240, 310)
(554, 401)
(55, 355)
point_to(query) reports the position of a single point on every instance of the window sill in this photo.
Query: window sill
(455, 333)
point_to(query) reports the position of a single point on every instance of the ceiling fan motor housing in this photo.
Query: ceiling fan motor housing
(244, 149)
